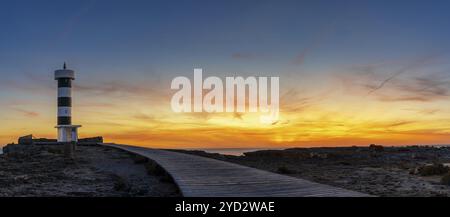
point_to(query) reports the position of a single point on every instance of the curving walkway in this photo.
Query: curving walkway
(204, 177)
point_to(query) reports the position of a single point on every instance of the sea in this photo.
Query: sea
(235, 151)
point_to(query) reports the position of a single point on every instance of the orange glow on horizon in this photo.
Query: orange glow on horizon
(318, 116)
(318, 125)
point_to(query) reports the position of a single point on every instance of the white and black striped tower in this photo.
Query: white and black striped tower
(66, 131)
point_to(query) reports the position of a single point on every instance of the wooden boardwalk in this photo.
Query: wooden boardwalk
(204, 177)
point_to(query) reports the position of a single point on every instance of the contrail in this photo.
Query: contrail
(415, 64)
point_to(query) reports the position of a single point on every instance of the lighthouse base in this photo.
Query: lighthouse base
(68, 133)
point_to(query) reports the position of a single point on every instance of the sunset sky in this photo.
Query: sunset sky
(351, 72)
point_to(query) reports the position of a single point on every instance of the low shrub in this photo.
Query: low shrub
(138, 159)
(154, 169)
(121, 184)
(445, 180)
(166, 178)
(55, 150)
(434, 169)
(285, 170)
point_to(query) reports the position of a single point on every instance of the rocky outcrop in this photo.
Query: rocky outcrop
(95, 171)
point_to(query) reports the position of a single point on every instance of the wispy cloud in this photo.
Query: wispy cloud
(30, 82)
(146, 117)
(318, 40)
(414, 80)
(424, 111)
(296, 100)
(26, 113)
(413, 65)
(423, 89)
(114, 87)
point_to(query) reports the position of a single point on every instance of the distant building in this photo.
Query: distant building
(31, 140)
(26, 140)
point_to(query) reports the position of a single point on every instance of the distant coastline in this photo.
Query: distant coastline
(233, 151)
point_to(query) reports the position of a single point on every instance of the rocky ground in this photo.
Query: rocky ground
(95, 171)
(376, 170)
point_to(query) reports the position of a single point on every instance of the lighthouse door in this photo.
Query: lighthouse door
(74, 135)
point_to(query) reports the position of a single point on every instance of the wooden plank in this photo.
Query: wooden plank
(198, 176)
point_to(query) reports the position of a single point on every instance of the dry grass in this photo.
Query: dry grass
(446, 179)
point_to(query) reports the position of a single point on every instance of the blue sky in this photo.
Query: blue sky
(174, 35)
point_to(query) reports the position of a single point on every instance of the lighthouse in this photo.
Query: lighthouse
(66, 131)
